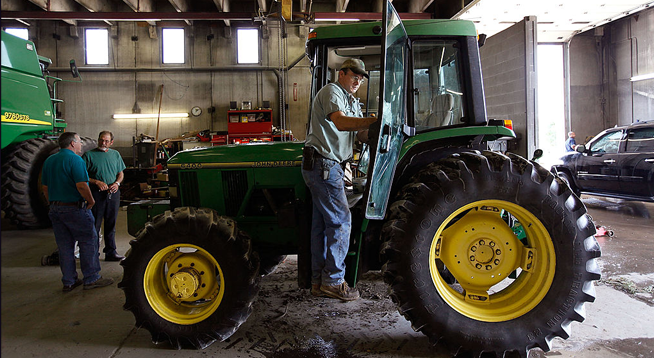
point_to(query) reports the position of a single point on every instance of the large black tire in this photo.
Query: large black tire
(22, 197)
(23, 200)
(567, 178)
(484, 218)
(202, 260)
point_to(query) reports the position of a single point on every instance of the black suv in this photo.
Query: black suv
(618, 162)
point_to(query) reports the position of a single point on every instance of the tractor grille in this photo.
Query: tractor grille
(189, 188)
(235, 186)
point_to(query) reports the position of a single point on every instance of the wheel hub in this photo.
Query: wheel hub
(484, 254)
(183, 284)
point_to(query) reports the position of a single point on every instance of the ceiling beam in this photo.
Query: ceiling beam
(223, 6)
(341, 5)
(419, 5)
(140, 5)
(96, 6)
(57, 5)
(181, 6)
(263, 7)
(126, 16)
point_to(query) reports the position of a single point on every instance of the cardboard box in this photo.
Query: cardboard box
(162, 177)
(144, 186)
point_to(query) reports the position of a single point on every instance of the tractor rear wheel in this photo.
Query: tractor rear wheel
(190, 278)
(490, 254)
(22, 197)
(23, 200)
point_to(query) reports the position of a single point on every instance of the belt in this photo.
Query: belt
(63, 203)
(320, 156)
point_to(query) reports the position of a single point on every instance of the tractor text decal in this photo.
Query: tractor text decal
(10, 117)
(263, 164)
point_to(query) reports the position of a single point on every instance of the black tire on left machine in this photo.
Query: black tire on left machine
(190, 277)
(23, 200)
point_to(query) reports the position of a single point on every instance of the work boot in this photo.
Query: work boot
(114, 257)
(342, 292)
(68, 288)
(315, 290)
(101, 282)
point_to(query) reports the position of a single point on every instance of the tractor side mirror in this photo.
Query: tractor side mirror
(73, 69)
(538, 153)
(481, 39)
(580, 148)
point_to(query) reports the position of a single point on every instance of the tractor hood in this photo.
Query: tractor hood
(284, 154)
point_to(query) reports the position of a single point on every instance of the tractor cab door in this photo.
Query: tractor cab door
(386, 144)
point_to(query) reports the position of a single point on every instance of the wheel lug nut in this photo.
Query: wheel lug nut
(478, 266)
(482, 242)
(472, 258)
(473, 249)
(492, 244)
(498, 252)
(497, 262)
(488, 267)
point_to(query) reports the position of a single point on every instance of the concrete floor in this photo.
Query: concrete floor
(39, 321)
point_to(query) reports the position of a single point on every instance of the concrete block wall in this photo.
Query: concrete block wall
(504, 61)
(210, 78)
(601, 64)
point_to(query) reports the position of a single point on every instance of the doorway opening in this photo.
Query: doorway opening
(551, 103)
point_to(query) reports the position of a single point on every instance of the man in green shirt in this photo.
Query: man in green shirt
(105, 167)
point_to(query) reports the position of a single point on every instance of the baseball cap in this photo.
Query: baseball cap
(355, 65)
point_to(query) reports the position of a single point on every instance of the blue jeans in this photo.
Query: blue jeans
(106, 208)
(71, 224)
(331, 223)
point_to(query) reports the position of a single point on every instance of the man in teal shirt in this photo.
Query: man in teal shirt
(65, 186)
(105, 167)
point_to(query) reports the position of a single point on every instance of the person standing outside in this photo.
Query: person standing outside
(65, 186)
(570, 143)
(105, 166)
(335, 119)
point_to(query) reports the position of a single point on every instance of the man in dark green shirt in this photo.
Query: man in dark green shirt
(105, 167)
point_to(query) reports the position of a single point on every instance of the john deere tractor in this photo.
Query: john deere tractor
(484, 252)
(29, 125)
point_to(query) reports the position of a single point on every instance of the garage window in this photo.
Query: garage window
(18, 32)
(97, 46)
(173, 45)
(247, 50)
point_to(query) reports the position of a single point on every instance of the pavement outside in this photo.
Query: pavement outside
(38, 320)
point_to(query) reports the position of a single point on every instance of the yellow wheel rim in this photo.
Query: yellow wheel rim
(499, 276)
(184, 284)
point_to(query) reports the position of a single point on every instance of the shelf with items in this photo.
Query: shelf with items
(247, 126)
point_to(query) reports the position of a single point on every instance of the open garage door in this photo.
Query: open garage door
(508, 61)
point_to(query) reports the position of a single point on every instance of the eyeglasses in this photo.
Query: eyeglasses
(356, 78)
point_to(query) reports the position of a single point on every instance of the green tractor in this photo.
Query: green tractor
(29, 125)
(483, 252)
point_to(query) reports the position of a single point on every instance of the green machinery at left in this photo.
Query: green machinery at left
(29, 127)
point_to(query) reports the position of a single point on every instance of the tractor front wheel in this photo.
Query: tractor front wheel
(190, 278)
(490, 254)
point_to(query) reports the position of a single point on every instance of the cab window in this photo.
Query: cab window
(607, 144)
(640, 140)
(438, 88)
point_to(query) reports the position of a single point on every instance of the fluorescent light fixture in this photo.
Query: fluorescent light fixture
(648, 76)
(334, 20)
(149, 115)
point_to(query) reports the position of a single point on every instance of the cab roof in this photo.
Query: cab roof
(413, 28)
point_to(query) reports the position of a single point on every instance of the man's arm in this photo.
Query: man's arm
(85, 191)
(350, 124)
(99, 183)
(45, 192)
(116, 184)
